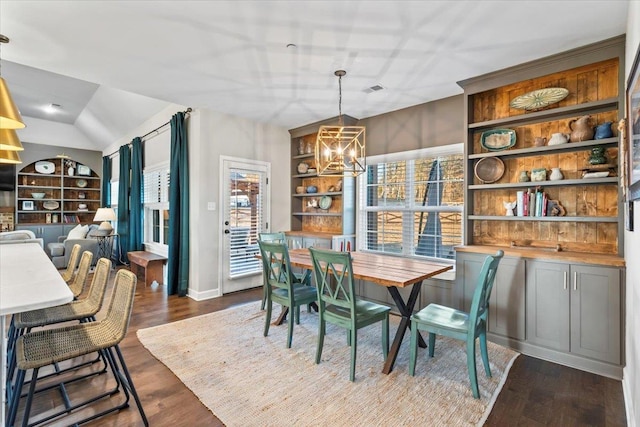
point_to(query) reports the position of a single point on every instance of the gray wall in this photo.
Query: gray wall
(432, 124)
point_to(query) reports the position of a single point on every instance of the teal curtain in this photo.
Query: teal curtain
(123, 200)
(178, 262)
(106, 182)
(135, 207)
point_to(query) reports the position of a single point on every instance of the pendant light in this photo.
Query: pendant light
(9, 114)
(9, 140)
(340, 150)
(9, 157)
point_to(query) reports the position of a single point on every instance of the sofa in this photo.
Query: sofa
(60, 251)
(20, 236)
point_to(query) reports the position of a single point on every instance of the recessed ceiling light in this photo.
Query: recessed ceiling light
(375, 88)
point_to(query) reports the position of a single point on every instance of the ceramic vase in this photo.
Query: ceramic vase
(523, 177)
(556, 174)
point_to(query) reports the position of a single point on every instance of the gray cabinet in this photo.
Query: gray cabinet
(507, 302)
(575, 309)
(303, 242)
(49, 233)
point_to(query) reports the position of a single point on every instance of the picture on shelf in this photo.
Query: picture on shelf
(28, 205)
(83, 170)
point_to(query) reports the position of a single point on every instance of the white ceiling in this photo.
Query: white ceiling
(113, 64)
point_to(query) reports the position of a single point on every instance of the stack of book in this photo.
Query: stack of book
(531, 203)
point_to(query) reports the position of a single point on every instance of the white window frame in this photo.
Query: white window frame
(407, 230)
(161, 206)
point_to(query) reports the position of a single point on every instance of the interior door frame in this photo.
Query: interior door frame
(229, 162)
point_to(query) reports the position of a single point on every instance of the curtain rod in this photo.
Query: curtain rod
(187, 111)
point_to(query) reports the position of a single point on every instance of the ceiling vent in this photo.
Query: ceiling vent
(375, 88)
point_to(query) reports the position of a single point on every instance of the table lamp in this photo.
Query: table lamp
(105, 215)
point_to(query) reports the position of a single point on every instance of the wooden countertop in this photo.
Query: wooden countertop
(317, 234)
(548, 254)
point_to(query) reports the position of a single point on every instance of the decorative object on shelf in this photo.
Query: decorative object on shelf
(81, 195)
(509, 208)
(331, 189)
(300, 189)
(312, 189)
(554, 208)
(312, 170)
(48, 218)
(303, 167)
(38, 195)
(325, 202)
(538, 175)
(45, 167)
(54, 218)
(70, 165)
(601, 174)
(105, 215)
(523, 177)
(340, 149)
(51, 205)
(27, 205)
(81, 183)
(83, 207)
(309, 148)
(603, 131)
(539, 98)
(489, 169)
(559, 138)
(312, 203)
(84, 170)
(498, 139)
(581, 129)
(597, 156)
(556, 174)
(9, 112)
(301, 146)
(339, 185)
(539, 141)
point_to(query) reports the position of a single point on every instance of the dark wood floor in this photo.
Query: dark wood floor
(537, 393)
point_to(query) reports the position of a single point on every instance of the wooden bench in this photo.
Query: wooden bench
(147, 266)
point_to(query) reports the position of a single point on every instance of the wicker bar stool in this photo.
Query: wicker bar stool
(79, 280)
(67, 274)
(83, 310)
(44, 347)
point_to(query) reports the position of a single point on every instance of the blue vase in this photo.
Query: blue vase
(312, 189)
(603, 131)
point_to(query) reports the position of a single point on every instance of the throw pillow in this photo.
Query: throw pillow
(79, 232)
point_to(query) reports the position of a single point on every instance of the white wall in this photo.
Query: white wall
(212, 135)
(631, 374)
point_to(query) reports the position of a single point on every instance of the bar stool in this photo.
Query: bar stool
(38, 349)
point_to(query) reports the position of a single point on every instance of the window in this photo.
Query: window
(156, 207)
(411, 203)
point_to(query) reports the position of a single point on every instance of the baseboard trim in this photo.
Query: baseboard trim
(201, 296)
(628, 402)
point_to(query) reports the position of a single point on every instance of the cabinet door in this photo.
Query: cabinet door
(507, 302)
(595, 312)
(548, 304)
(318, 243)
(294, 242)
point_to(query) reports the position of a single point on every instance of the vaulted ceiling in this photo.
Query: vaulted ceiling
(110, 65)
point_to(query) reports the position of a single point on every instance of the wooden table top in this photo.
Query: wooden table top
(385, 270)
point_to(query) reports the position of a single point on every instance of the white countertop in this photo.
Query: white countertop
(29, 280)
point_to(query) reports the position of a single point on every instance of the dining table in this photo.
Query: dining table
(392, 272)
(28, 281)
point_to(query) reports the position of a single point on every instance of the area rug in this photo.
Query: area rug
(247, 379)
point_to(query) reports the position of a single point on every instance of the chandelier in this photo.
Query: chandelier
(340, 150)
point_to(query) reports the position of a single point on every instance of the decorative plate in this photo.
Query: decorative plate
(498, 139)
(45, 167)
(81, 183)
(325, 202)
(51, 205)
(539, 98)
(489, 169)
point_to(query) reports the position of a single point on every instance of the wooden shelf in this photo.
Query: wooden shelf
(545, 218)
(611, 180)
(335, 194)
(317, 214)
(549, 149)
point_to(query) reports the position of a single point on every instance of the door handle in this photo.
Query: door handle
(565, 280)
(575, 280)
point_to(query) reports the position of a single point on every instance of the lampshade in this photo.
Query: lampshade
(9, 115)
(10, 157)
(105, 215)
(340, 150)
(9, 140)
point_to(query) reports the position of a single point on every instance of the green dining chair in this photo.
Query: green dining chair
(280, 237)
(339, 305)
(282, 286)
(438, 319)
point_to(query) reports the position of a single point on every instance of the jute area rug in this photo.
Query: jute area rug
(246, 379)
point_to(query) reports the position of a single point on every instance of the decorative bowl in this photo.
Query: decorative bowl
(325, 202)
(539, 98)
(300, 189)
(51, 205)
(489, 169)
(38, 195)
(498, 139)
(312, 189)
